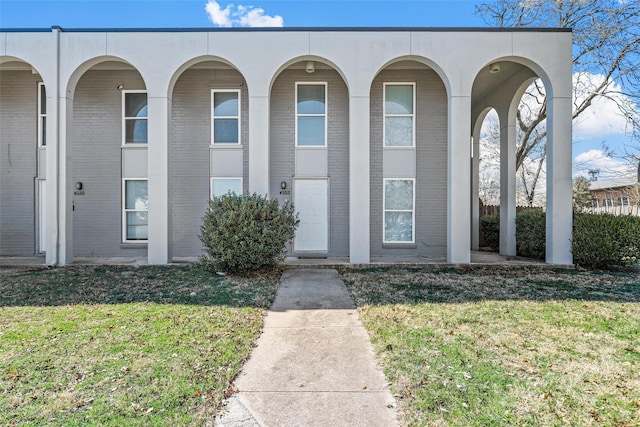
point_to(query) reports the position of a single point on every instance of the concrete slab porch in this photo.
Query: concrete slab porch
(477, 258)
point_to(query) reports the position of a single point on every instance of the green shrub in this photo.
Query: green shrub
(531, 233)
(490, 226)
(246, 233)
(605, 241)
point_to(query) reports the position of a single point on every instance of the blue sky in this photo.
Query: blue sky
(601, 126)
(191, 13)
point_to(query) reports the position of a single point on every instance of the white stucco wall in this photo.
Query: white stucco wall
(259, 55)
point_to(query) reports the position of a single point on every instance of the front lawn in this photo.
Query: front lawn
(503, 347)
(123, 345)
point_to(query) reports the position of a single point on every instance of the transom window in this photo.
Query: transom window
(135, 210)
(134, 117)
(311, 114)
(399, 212)
(399, 114)
(225, 120)
(42, 115)
(222, 186)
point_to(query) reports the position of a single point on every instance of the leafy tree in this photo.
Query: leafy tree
(606, 62)
(581, 195)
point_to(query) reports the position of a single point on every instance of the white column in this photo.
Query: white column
(458, 181)
(59, 180)
(159, 203)
(359, 165)
(59, 170)
(559, 182)
(51, 182)
(258, 144)
(507, 182)
(475, 188)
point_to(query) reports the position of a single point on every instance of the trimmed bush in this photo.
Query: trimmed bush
(606, 241)
(246, 233)
(490, 226)
(531, 233)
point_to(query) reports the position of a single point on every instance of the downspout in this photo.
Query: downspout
(57, 30)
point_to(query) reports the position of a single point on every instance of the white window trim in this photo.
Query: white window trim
(384, 212)
(225, 177)
(238, 117)
(124, 120)
(125, 210)
(41, 116)
(385, 115)
(325, 115)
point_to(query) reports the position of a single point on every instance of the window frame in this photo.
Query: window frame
(42, 117)
(238, 118)
(125, 118)
(325, 115)
(385, 115)
(227, 178)
(125, 211)
(385, 210)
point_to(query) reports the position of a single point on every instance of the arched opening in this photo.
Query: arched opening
(23, 124)
(309, 153)
(489, 158)
(408, 151)
(209, 144)
(511, 146)
(108, 140)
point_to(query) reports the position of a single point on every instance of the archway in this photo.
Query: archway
(309, 153)
(209, 144)
(512, 89)
(107, 140)
(23, 140)
(408, 153)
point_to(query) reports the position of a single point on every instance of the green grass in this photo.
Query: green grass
(123, 345)
(506, 347)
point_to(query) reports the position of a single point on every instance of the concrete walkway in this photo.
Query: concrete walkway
(313, 364)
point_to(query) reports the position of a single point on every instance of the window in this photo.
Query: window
(225, 123)
(399, 201)
(134, 117)
(623, 201)
(42, 115)
(399, 114)
(311, 114)
(221, 186)
(135, 212)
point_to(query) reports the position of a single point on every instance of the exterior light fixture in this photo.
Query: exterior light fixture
(494, 68)
(78, 186)
(283, 185)
(310, 68)
(120, 86)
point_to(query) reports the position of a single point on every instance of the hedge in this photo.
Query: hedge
(605, 240)
(246, 233)
(600, 241)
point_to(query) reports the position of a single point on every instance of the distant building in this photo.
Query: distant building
(618, 196)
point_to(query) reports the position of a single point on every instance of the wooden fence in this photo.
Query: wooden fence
(495, 209)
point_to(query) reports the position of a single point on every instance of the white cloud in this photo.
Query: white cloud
(241, 16)
(603, 117)
(597, 159)
(217, 15)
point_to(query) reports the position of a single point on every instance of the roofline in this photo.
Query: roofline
(290, 29)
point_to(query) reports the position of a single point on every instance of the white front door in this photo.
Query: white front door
(312, 203)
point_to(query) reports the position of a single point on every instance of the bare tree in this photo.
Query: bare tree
(606, 62)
